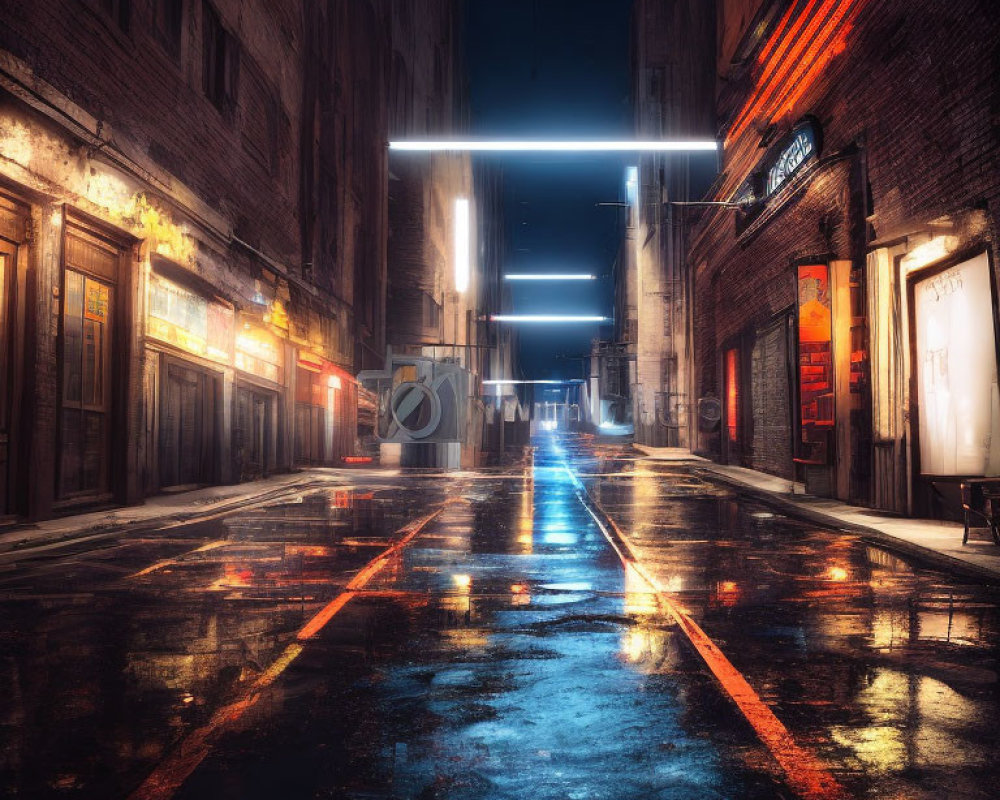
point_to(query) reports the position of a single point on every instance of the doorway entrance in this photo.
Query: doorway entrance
(253, 452)
(8, 350)
(188, 409)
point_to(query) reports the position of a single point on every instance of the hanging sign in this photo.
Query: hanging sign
(799, 149)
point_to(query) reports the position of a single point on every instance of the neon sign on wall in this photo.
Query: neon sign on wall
(791, 157)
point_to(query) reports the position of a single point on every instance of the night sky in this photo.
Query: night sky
(555, 69)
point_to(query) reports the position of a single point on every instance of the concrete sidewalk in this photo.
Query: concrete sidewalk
(934, 541)
(161, 511)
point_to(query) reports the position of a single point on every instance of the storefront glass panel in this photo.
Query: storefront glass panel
(189, 321)
(816, 387)
(84, 457)
(956, 365)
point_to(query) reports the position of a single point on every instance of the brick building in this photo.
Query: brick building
(672, 72)
(436, 295)
(192, 241)
(845, 306)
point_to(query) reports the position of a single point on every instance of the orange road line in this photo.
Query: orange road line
(184, 759)
(804, 772)
(169, 562)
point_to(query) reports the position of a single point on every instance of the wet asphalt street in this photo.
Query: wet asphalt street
(499, 650)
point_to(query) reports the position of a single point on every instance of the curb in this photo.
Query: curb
(890, 542)
(31, 546)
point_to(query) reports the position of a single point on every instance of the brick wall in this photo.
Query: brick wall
(154, 102)
(908, 113)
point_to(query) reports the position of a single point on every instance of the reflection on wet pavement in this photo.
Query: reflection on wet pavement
(523, 662)
(111, 655)
(504, 652)
(887, 669)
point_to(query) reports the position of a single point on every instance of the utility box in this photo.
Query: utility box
(419, 400)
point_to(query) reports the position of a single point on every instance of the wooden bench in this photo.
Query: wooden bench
(981, 500)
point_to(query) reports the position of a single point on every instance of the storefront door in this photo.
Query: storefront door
(7, 282)
(310, 417)
(770, 400)
(85, 441)
(187, 426)
(252, 433)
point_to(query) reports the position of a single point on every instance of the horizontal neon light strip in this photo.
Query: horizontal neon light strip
(553, 276)
(544, 318)
(537, 146)
(509, 383)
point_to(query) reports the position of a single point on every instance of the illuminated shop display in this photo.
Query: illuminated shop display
(956, 367)
(259, 353)
(189, 321)
(816, 389)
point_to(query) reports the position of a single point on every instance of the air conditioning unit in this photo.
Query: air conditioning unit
(419, 400)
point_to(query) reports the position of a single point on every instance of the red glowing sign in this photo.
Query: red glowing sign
(794, 57)
(732, 394)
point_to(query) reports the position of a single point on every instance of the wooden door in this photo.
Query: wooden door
(252, 433)
(85, 442)
(770, 400)
(7, 267)
(187, 427)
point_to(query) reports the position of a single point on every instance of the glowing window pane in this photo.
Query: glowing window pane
(956, 365)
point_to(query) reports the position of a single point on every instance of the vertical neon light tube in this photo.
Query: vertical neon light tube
(461, 244)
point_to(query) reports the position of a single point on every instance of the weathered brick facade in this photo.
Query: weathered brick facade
(904, 98)
(194, 193)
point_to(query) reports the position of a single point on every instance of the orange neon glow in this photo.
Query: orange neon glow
(774, 70)
(732, 394)
(819, 54)
(776, 37)
(358, 459)
(794, 57)
(835, 48)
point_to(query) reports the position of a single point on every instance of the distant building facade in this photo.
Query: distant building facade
(672, 46)
(193, 221)
(845, 312)
(439, 298)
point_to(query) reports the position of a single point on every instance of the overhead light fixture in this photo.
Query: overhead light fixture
(550, 276)
(546, 318)
(545, 146)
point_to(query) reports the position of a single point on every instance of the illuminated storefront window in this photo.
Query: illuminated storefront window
(956, 369)
(189, 321)
(816, 389)
(259, 353)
